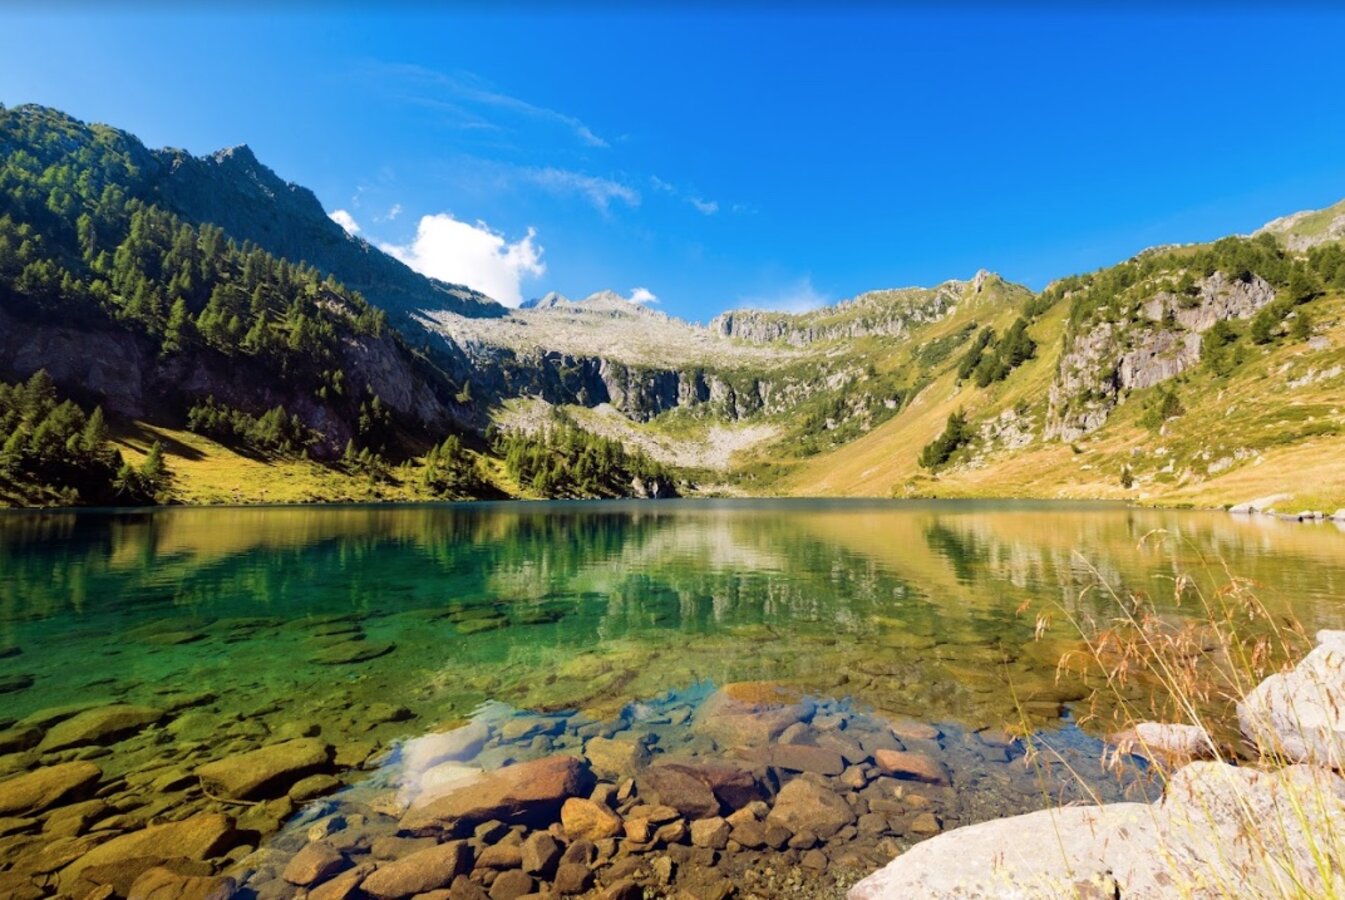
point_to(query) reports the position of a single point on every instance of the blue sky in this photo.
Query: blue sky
(756, 157)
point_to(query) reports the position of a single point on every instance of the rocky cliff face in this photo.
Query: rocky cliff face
(890, 313)
(102, 363)
(1104, 360)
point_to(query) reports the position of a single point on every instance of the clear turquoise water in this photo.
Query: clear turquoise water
(370, 626)
(911, 607)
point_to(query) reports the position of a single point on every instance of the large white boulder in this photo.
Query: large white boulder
(1300, 714)
(1220, 831)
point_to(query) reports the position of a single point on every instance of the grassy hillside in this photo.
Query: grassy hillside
(1254, 420)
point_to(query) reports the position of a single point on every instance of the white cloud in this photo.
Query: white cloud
(704, 207)
(601, 192)
(474, 255)
(642, 295)
(345, 220)
(394, 212)
(799, 296)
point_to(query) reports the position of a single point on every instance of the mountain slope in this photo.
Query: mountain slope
(1207, 375)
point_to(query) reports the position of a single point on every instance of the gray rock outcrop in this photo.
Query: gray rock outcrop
(1219, 831)
(1103, 361)
(1300, 714)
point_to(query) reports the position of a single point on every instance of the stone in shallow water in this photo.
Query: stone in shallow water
(911, 730)
(160, 883)
(616, 758)
(104, 725)
(750, 714)
(315, 862)
(674, 786)
(805, 806)
(348, 652)
(511, 885)
(268, 771)
(199, 837)
(586, 819)
(47, 786)
(438, 781)
(540, 854)
(530, 792)
(913, 765)
(423, 871)
(799, 758)
(573, 878)
(429, 750)
(712, 833)
(343, 887)
(10, 684)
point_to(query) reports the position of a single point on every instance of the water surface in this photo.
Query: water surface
(371, 625)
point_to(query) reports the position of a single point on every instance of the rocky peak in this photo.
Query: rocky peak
(1308, 228)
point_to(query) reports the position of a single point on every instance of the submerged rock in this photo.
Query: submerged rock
(750, 714)
(525, 792)
(616, 758)
(348, 652)
(42, 788)
(160, 883)
(1300, 714)
(10, 684)
(268, 771)
(424, 870)
(589, 820)
(103, 725)
(803, 806)
(911, 764)
(675, 787)
(200, 837)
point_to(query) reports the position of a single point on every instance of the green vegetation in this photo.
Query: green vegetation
(274, 433)
(53, 453)
(956, 435)
(1163, 406)
(563, 460)
(450, 471)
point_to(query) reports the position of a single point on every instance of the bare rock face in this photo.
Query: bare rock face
(1192, 843)
(1300, 714)
(1106, 359)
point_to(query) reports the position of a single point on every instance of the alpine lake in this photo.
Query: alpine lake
(685, 698)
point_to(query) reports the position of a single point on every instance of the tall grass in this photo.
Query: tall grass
(1246, 823)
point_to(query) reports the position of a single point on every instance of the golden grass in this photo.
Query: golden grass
(1275, 426)
(1284, 839)
(206, 472)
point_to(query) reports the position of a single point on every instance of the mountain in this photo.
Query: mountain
(205, 303)
(124, 301)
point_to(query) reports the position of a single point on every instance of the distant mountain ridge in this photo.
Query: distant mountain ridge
(906, 391)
